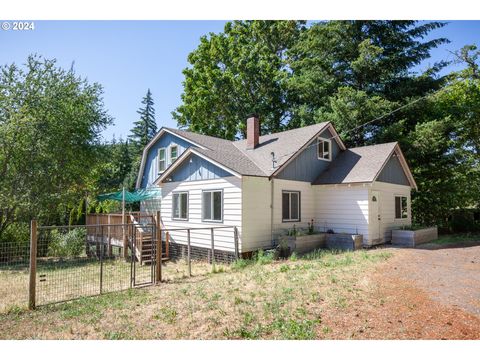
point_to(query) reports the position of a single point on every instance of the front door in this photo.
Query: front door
(375, 235)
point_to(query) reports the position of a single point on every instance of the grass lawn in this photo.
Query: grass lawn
(263, 299)
(457, 239)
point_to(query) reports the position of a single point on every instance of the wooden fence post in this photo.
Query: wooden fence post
(167, 243)
(33, 265)
(213, 249)
(189, 254)
(235, 240)
(158, 263)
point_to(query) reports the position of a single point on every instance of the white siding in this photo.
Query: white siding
(232, 212)
(342, 208)
(256, 213)
(387, 194)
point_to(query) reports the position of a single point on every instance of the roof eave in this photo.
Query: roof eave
(157, 136)
(185, 155)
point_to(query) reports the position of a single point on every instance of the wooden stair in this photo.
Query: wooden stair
(146, 250)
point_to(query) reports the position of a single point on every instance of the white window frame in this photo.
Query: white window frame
(164, 160)
(170, 153)
(322, 141)
(401, 208)
(290, 192)
(212, 205)
(179, 193)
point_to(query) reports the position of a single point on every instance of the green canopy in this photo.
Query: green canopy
(130, 197)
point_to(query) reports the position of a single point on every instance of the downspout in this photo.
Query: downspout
(271, 213)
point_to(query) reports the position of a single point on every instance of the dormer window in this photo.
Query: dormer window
(324, 149)
(173, 153)
(162, 160)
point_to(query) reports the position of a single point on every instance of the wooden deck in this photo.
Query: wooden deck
(136, 233)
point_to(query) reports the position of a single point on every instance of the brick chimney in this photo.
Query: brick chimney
(253, 132)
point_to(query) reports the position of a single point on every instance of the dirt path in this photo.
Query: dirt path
(428, 293)
(450, 276)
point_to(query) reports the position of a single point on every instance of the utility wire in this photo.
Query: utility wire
(378, 118)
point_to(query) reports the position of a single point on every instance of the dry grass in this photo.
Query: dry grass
(326, 296)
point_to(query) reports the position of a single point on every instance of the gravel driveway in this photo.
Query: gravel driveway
(449, 275)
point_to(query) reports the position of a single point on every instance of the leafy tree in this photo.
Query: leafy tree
(236, 73)
(355, 60)
(145, 128)
(50, 125)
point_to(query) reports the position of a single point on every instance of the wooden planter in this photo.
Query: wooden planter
(412, 238)
(344, 241)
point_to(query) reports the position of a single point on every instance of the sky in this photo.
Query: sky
(129, 57)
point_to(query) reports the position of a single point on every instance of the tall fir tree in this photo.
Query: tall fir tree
(145, 128)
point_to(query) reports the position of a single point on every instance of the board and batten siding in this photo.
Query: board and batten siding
(196, 168)
(232, 212)
(150, 171)
(342, 208)
(387, 193)
(307, 166)
(393, 172)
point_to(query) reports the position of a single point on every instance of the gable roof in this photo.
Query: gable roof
(355, 165)
(362, 165)
(286, 145)
(257, 162)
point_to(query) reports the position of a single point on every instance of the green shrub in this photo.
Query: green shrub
(71, 243)
(263, 258)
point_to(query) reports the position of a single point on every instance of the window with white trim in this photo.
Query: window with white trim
(162, 160)
(324, 149)
(290, 205)
(180, 206)
(173, 153)
(401, 207)
(212, 208)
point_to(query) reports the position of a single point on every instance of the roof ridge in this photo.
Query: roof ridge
(365, 146)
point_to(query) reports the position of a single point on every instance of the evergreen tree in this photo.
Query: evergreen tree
(145, 128)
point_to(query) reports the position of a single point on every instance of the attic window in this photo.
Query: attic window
(162, 163)
(324, 149)
(173, 153)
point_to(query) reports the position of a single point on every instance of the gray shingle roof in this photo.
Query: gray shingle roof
(223, 152)
(257, 162)
(283, 144)
(361, 164)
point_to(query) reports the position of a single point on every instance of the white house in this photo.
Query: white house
(264, 185)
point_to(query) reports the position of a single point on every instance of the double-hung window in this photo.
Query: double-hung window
(291, 205)
(162, 160)
(324, 149)
(401, 211)
(212, 208)
(180, 206)
(173, 153)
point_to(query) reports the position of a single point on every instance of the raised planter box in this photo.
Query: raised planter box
(412, 238)
(302, 244)
(344, 241)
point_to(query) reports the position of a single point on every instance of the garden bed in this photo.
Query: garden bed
(302, 244)
(412, 238)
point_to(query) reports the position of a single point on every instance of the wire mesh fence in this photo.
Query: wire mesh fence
(14, 273)
(89, 260)
(69, 262)
(197, 251)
